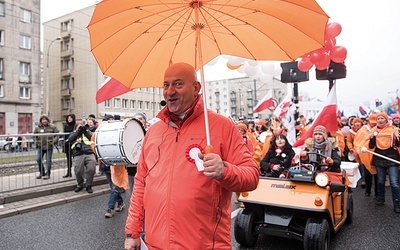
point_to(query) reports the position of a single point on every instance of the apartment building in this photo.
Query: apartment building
(237, 97)
(64, 77)
(20, 76)
(72, 77)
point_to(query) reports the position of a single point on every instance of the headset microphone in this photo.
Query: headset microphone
(163, 103)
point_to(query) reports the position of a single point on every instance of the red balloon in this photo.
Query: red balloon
(324, 63)
(329, 43)
(338, 54)
(304, 64)
(317, 55)
(332, 30)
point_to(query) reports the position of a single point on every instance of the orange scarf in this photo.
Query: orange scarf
(385, 137)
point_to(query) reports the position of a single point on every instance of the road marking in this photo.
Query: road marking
(234, 213)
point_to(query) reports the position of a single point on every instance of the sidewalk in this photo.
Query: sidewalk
(44, 196)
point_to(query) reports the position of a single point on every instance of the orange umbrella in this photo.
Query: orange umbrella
(134, 41)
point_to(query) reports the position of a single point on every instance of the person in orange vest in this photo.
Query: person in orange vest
(368, 171)
(384, 140)
(302, 127)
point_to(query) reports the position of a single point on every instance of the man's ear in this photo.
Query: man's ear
(197, 87)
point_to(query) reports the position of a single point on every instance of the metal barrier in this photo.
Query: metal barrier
(18, 165)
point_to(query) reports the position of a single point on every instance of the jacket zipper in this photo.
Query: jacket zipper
(171, 177)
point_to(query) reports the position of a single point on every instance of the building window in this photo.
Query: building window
(67, 83)
(25, 16)
(24, 72)
(147, 104)
(2, 34)
(1, 90)
(140, 104)
(117, 103)
(66, 26)
(1, 69)
(132, 104)
(124, 103)
(66, 64)
(67, 104)
(24, 93)
(2, 9)
(107, 104)
(25, 42)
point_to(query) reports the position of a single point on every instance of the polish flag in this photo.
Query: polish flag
(290, 124)
(268, 102)
(283, 107)
(110, 88)
(326, 117)
(228, 114)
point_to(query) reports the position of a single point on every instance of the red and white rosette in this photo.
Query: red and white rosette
(192, 155)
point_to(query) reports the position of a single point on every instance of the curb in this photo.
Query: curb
(32, 199)
(40, 191)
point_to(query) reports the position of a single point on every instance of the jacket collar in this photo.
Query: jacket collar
(173, 120)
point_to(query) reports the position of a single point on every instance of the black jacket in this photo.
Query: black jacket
(272, 157)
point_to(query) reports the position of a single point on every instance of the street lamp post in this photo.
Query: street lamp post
(240, 103)
(47, 75)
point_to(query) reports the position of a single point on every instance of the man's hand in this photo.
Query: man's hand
(132, 243)
(213, 166)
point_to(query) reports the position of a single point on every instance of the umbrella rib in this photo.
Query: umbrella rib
(219, 10)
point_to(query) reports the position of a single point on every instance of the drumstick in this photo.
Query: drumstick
(364, 149)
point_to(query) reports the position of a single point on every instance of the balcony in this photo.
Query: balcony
(65, 92)
(67, 53)
(66, 72)
(65, 33)
(24, 79)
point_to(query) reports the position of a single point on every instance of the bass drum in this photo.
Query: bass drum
(119, 142)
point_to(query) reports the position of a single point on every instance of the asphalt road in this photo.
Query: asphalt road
(81, 225)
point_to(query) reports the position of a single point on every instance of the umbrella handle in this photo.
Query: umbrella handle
(208, 149)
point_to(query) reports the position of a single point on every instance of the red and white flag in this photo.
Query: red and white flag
(326, 117)
(110, 88)
(228, 114)
(283, 107)
(268, 102)
(289, 123)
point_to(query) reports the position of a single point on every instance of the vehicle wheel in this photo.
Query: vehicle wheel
(316, 234)
(350, 208)
(7, 147)
(244, 228)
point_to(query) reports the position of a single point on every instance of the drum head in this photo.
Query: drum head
(132, 139)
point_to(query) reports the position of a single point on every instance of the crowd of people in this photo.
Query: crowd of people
(378, 133)
(181, 183)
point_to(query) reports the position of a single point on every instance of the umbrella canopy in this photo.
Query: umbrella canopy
(134, 41)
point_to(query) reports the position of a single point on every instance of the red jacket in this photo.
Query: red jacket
(179, 206)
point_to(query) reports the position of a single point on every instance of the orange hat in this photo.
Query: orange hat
(356, 120)
(242, 126)
(372, 119)
(262, 122)
(322, 130)
(384, 115)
